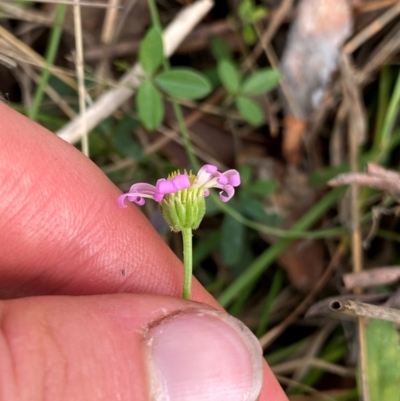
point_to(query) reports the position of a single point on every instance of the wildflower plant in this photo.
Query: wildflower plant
(181, 198)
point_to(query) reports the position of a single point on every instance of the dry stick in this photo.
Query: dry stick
(72, 2)
(26, 14)
(107, 33)
(360, 309)
(273, 60)
(270, 336)
(368, 7)
(356, 135)
(305, 388)
(386, 275)
(107, 103)
(294, 364)
(316, 345)
(390, 45)
(370, 30)
(276, 21)
(80, 73)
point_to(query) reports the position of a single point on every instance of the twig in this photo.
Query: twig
(375, 177)
(270, 336)
(107, 103)
(358, 309)
(72, 2)
(33, 57)
(356, 135)
(372, 277)
(370, 30)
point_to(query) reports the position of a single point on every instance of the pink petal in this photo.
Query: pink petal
(209, 168)
(229, 190)
(177, 183)
(233, 177)
(133, 197)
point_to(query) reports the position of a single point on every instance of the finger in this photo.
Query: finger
(125, 347)
(61, 229)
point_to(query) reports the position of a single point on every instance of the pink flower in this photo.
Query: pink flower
(207, 177)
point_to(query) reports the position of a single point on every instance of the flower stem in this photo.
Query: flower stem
(188, 262)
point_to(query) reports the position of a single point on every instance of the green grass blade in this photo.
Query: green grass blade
(268, 257)
(51, 53)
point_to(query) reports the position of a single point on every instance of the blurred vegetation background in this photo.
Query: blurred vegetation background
(290, 93)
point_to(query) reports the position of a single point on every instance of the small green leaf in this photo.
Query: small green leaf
(383, 356)
(232, 240)
(262, 187)
(245, 10)
(184, 83)
(246, 174)
(151, 51)
(220, 49)
(229, 75)
(249, 35)
(259, 13)
(250, 110)
(260, 82)
(150, 105)
(123, 140)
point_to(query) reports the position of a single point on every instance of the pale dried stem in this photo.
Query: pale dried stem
(80, 74)
(271, 335)
(32, 57)
(356, 135)
(373, 28)
(95, 4)
(360, 309)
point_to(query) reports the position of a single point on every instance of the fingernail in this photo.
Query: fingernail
(203, 355)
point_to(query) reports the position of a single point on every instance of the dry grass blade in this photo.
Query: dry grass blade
(373, 28)
(72, 2)
(30, 56)
(80, 73)
(270, 336)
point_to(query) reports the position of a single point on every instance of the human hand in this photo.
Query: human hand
(68, 253)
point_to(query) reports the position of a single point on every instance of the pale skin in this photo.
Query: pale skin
(63, 236)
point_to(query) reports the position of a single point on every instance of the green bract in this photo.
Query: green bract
(184, 209)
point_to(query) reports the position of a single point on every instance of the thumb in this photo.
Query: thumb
(124, 347)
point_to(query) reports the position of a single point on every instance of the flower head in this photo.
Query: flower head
(181, 196)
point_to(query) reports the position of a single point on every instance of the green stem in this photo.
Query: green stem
(51, 53)
(176, 106)
(188, 262)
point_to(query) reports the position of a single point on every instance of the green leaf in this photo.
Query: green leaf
(229, 75)
(150, 105)
(220, 49)
(383, 356)
(249, 35)
(262, 187)
(232, 240)
(250, 110)
(246, 174)
(124, 142)
(245, 10)
(260, 82)
(183, 83)
(255, 210)
(151, 52)
(259, 13)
